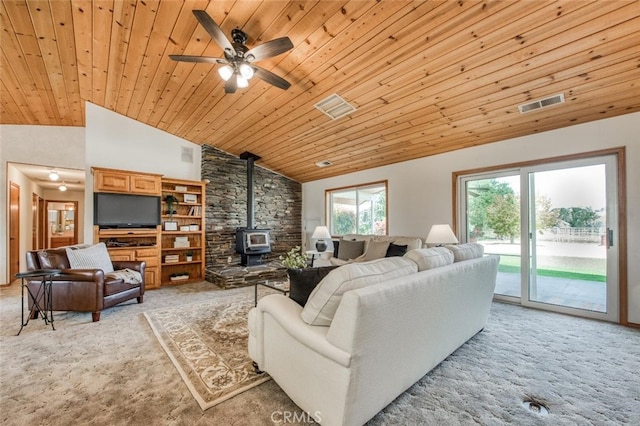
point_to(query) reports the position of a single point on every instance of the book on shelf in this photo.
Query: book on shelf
(195, 211)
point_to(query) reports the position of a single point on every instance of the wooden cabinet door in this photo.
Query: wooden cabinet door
(106, 181)
(142, 184)
(151, 277)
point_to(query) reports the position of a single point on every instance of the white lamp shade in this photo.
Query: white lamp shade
(242, 82)
(441, 234)
(321, 233)
(225, 72)
(246, 71)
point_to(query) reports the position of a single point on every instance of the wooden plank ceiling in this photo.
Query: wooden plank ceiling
(425, 77)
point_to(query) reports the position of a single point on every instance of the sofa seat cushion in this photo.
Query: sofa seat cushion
(93, 257)
(430, 258)
(325, 298)
(116, 285)
(466, 251)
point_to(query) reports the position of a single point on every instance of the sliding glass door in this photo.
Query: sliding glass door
(554, 226)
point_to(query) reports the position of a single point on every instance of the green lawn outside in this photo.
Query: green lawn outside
(565, 267)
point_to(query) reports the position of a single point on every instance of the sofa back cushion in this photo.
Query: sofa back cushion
(92, 257)
(53, 259)
(430, 258)
(325, 298)
(466, 251)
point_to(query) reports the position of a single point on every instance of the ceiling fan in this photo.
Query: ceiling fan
(238, 62)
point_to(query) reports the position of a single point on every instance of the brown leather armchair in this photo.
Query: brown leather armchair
(84, 290)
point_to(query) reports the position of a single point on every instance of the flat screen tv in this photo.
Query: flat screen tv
(126, 210)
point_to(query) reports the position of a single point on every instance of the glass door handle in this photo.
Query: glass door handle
(609, 237)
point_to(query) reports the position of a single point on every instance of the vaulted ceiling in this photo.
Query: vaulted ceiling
(425, 77)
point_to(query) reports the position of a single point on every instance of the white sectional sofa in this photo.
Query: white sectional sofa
(388, 323)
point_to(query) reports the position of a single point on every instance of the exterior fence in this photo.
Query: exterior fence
(573, 235)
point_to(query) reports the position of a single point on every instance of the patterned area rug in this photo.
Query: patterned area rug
(207, 342)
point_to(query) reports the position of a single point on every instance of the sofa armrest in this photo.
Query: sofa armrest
(136, 265)
(92, 275)
(286, 313)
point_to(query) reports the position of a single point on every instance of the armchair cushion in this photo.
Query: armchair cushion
(93, 257)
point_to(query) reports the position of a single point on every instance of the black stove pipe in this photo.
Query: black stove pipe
(251, 159)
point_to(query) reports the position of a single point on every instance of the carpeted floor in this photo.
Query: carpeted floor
(115, 372)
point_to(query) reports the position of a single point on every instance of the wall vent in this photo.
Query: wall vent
(186, 155)
(542, 103)
(325, 163)
(335, 107)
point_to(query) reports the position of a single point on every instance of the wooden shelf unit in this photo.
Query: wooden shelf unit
(187, 214)
(134, 244)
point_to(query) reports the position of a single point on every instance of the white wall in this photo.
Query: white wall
(42, 145)
(117, 142)
(420, 191)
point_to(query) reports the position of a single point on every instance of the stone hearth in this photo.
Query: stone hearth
(242, 276)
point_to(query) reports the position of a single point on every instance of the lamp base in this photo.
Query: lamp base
(321, 245)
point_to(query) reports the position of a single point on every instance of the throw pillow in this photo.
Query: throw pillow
(396, 250)
(350, 249)
(336, 246)
(430, 258)
(325, 298)
(93, 257)
(466, 251)
(375, 250)
(303, 281)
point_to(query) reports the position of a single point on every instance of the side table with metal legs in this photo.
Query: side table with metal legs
(42, 299)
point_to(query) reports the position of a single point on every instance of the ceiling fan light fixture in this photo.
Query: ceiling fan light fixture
(246, 71)
(53, 175)
(225, 72)
(242, 82)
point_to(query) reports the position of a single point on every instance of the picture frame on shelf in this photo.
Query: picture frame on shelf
(170, 225)
(190, 198)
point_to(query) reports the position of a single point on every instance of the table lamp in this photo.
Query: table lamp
(321, 233)
(441, 235)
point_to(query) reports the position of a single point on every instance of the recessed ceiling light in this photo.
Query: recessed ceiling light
(325, 163)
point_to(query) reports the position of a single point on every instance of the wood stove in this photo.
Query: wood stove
(251, 243)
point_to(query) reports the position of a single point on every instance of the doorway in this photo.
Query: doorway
(555, 226)
(61, 227)
(14, 230)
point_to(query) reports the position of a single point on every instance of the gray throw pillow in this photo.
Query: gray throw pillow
(350, 249)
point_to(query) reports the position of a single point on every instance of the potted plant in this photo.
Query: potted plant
(294, 259)
(171, 201)
(302, 279)
(189, 255)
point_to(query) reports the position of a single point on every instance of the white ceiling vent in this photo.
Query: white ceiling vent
(335, 107)
(542, 103)
(325, 163)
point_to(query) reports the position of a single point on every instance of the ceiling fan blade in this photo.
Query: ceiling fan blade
(199, 59)
(270, 77)
(269, 49)
(214, 31)
(231, 85)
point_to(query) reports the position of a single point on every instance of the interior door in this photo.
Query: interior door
(14, 230)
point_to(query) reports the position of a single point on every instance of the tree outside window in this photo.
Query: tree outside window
(360, 209)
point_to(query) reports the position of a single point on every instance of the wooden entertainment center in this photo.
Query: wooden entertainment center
(164, 254)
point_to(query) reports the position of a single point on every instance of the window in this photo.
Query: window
(360, 209)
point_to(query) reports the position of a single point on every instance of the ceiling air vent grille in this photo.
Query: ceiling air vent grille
(335, 107)
(542, 103)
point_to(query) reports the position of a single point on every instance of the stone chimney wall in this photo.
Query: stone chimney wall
(278, 207)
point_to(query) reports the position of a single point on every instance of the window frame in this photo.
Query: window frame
(328, 203)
